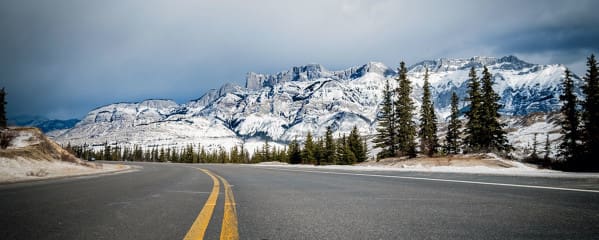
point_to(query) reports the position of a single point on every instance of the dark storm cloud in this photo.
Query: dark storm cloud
(62, 58)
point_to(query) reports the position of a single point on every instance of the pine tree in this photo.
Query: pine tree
(404, 108)
(319, 151)
(294, 152)
(534, 155)
(590, 116)
(330, 150)
(493, 137)
(452, 139)
(266, 154)
(547, 149)
(2, 109)
(308, 152)
(356, 146)
(385, 136)
(568, 149)
(107, 152)
(342, 148)
(428, 121)
(473, 131)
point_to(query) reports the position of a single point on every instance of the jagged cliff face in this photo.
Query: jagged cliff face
(309, 98)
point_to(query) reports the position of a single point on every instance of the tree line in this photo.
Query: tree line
(579, 147)
(397, 132)
(322, 151)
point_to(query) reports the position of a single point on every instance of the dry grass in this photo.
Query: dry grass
(39, 173)
(42, 148)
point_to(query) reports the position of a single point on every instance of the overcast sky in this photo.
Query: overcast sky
(62, 58)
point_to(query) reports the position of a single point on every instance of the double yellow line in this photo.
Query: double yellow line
(229, 224)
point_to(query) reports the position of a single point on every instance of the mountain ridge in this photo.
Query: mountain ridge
(286, 105)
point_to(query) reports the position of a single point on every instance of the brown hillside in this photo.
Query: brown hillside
(31, 143)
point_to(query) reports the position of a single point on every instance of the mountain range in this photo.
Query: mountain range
(287, 105)
(43, 123)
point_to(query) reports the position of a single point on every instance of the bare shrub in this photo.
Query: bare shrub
(39, 173)
(5, 137)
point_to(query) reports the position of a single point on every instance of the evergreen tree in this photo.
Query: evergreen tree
(330, 150)
(590, 116)
(493, 137)
(350, 156)
(266, 154)
(107, 152)
(534, 154)
(428, 121)
(319, 152)
(355, 145)
(258, 156)
(342, 148)
(452, 139)
(242, 154)
(234, 155)
(161, 156)
(386, 138)
(547, 148)
(2, 109)
(308, 156)
(404, 108)
(473, 131)
(294, 152)
(568, 149)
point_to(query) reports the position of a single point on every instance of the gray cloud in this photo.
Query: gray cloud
(62, 58)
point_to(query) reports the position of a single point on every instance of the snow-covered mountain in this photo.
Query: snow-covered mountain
(289, 104)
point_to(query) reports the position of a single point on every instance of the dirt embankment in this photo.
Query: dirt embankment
(30, 155)
(31, 143)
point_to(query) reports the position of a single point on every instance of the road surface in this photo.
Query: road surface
(163, 201)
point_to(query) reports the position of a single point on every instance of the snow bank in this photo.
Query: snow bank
(21, 169)
(516, 169)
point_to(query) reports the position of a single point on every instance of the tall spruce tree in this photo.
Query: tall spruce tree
(568, 148)
(590, 116)
(428, 121)
(330, 150)
(452, 139)
(493, 136)
(386, 136)
(2, 109)
(356, 146)
(404, 108)
(294, 152)
(344, 155)
(308, 153)
(547, 149)
(472, 141)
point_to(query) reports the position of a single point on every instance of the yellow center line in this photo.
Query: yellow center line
(229, 225)
(199, 226)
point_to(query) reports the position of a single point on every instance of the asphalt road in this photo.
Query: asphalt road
(161, 201)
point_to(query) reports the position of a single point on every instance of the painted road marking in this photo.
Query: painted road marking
(199, 226)
(229, 225)
(443, 180)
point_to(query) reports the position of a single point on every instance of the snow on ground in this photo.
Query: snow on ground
(23, 139)
(32, 156)
(500, 167)
(21, 169)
